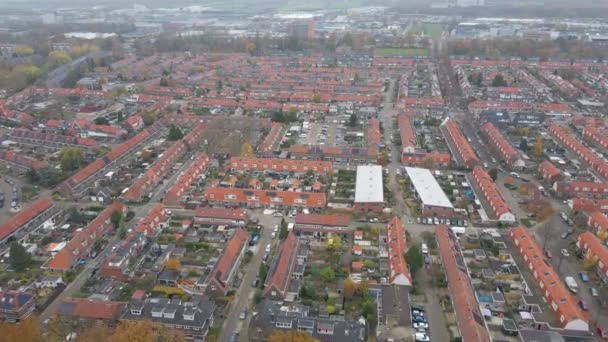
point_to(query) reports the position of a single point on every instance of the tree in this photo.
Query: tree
(144, 331)
(149, 117)
(173, 264)
(327, 274)
(333, 243)
(23, 50)
(70, 158)
(174, 133)
(352, 121)
(116, 218)
(349, 288)
(538, 146)
(19, 258)
(291, 335)
(414, 259)
(26, 331)
(493, 174)
(163, 82)
(523, 144)
(316, 98)
(101, 121)
(499, 81)
(283, 232)
(263, 272)
(246, 150)
(57, 58)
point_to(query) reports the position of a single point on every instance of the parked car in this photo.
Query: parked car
(243, 314)
(564, 235)
(548, 254)
(584, 276)
(417, 307)
(565, 252)
(277, 214)
(420, 325)
(421, 337)
(417, 313)
(594, 292)
(583, 305)
(419, 319)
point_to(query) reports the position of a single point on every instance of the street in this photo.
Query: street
(243, 297)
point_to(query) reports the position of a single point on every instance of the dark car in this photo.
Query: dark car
(418, 319)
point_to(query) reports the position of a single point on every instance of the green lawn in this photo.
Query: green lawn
(298, 5)
(433, 30)
(403, 52)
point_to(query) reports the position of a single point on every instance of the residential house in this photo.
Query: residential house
(16, 306)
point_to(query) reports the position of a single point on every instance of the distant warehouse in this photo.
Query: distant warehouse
(434, 201)
(369, 189)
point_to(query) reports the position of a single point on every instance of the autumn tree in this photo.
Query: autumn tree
(144, 331)
(26, 331)
(19, 258)
(246, 150)
(291, 336)
(349, 288)
(538, 146)
(333, 243)
(23, 50)
(57, 58)
(173, 264)
(149, 117)
(327, 274)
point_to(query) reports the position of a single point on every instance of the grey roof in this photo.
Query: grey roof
(270, 312)
(202, 309)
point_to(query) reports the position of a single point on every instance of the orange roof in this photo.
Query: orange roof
(563, 303)
(598, 221)
(461, 144)
(281, 275)
(323, 220)
(357, 265)
(16, 222)
(91, 309)
(408, 136)
(570, 142)
(198, 166)
(398, 271)
(221, 272)
(234, 195)
(490, 192)
(470, 320)
(502, 145)
(268, 164)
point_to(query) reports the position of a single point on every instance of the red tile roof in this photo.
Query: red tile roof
(280, 277)
(16, 222)
(594, 250)
(21, 160)
(268, 164)
(323, 220)
(470, 320)
(398, 272)
(570, 142)
(499, 206)
(507, 152)
(266, 197)
(84, 239)
(374, 137)
(588, 204)
(152, 220)
(599, 223)
(181, 185)
(555, 293)
(222, 271)
(550, 172)
(90, 309)
(460, 143)
(408, 136)
(229, 214)
(581, 188)
(271, 141)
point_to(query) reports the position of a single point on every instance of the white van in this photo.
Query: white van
(425, 248)
(268, 248)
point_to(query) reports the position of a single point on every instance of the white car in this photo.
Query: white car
(277, 214)
(420, 325)
(421, 337)
(565, 252)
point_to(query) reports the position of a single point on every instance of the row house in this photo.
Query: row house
(83, 240)
(279, 165)
(220, 216)
(265, 198)
(410, 155)
(335, 154)
(194, 137)
(135, 122)
(398, 272)
(470, 320)
(51, 141)
(549, 172)
(168, 91)
(407, 133)
(175, 195)
(15, 306)
(581, 189)
(570, 142)
(20, 162)
(374, 137)
(558, 298)
(507, 152)
(436, 102)
(87, 176)
(223, 274)
(322, 224)
(308, 107)
(583, 204)
(271, 142)
(282, 282)
(156, 172)
(500, 209)
(459, 144)
(598, 223)
(478, 106)
(595, 251)
(27, 220)
(596, 134)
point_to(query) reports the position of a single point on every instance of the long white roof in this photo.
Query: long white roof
(369, 187)
(429, 191)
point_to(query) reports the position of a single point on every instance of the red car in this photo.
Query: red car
(548, 254)
(602, 333)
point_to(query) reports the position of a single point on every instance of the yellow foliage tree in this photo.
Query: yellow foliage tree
(349, 288)
(291, 336)
(23, 50)
(144, 331)
(26, 331)
(246, 150)
(538, 146)
(173, 264)
(57, 58)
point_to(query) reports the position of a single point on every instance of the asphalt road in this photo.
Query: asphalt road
(243, 297)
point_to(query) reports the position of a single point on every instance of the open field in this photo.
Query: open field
(430, 29)
(403, 52)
